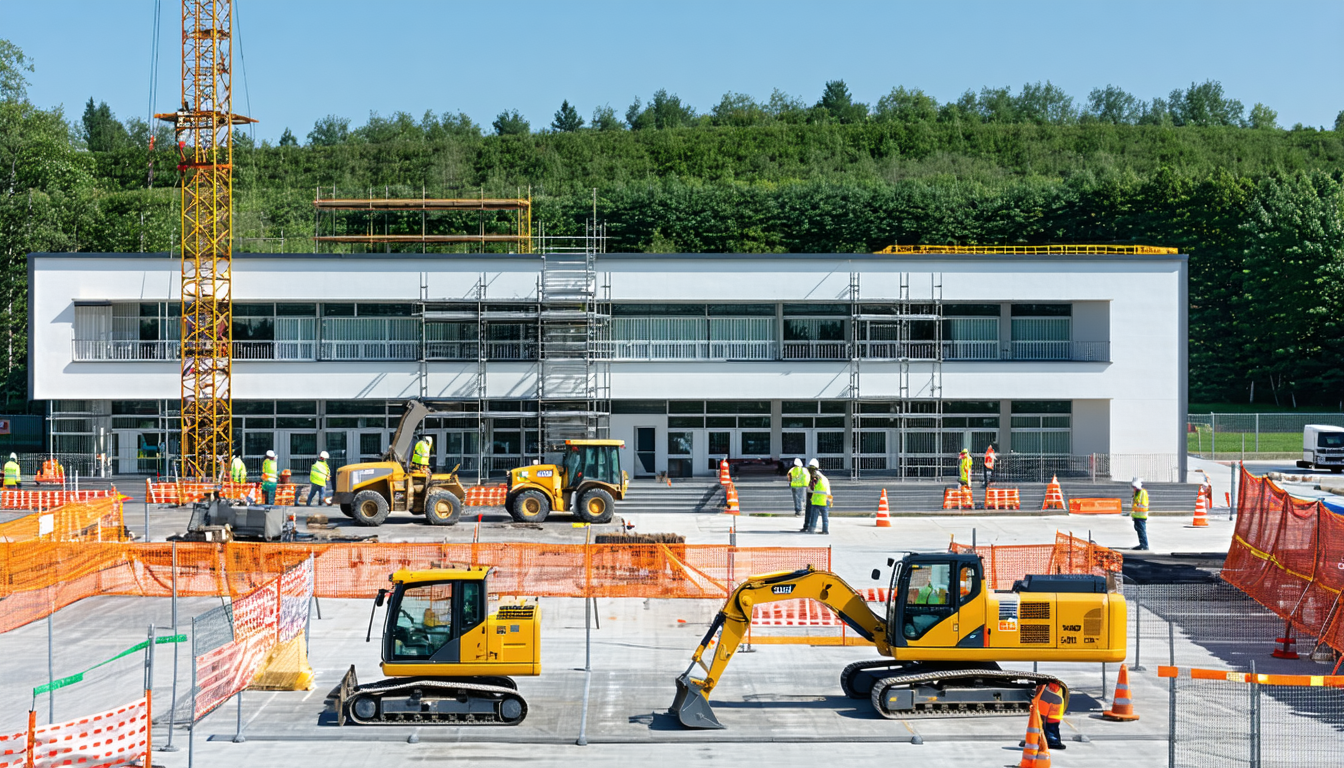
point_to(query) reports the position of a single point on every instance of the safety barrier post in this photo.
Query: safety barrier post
(172, 708)
(51, 671)
(191, 719)
(1171, 698)
(1138, 629)
(149, 696)
(1255, 719)
(30, 760)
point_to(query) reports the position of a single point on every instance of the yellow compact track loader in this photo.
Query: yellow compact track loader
(446, 660)
(589, 481)
(371, 491)
(942, 634)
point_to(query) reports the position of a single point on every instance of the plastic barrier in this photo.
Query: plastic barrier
(183, 493)
(1286, 555)
(1069, 554)
(1002, 498)
(958, 498)
(1094, 507)
(116, 737)
(48, 499)
(52, 472)
(486, 495)
(1054, 495)
(1223, 675)
(97, 520)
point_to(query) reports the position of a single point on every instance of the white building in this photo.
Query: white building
(890, 363)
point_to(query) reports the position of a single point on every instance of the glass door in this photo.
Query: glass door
(680, 454)
(720, 444)
(646, 452)
(794, 446)
(301, 452)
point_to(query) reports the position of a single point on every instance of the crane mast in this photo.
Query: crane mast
(203, 125)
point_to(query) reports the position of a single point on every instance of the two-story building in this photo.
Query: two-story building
(880, 363)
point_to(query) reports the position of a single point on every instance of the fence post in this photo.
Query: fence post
(1171, 699)
(238, 737)
(149, 695)
(51, 672)
(191, 717)
(1255, 718)
(1257, 434)
(1138, 630)
(1213, 436)
(172, 709)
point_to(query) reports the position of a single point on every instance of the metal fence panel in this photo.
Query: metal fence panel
(1252, 435)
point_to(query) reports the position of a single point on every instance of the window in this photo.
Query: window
(1041, 426)
(693, 332)
(424, 621)
(927, 599)
(795, 443)
(679, 443)
(755, 443)
(968, 585)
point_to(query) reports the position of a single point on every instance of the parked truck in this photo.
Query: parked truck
(1322, 448)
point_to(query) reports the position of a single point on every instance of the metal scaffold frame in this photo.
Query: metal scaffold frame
(204, 127)
(386, 207)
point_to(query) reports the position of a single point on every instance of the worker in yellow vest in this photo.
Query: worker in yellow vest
(270, 477)
(420, 454)
(13, 475)
(818, 509)
(989, 464)
(238, 470)
(1139, 512)
(964, 468)
(798, 484)
(318, 477)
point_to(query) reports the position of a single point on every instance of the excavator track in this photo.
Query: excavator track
(958, 693)
(431, 701)
(857, 679)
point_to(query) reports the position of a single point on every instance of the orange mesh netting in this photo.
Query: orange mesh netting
(95, 520)
(1069, 554)
(1286, 554)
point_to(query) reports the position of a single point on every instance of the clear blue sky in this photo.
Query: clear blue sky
(309, 58)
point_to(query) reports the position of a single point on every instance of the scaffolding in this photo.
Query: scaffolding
(1030, 250)
(414, 221)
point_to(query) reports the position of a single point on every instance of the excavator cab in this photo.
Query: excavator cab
(589, 476)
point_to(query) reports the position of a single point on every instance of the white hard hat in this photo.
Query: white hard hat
(797, 462)
(429, 439)
(324, 455)
(1136, 482)
(270, 454)
(814, 464)
(13, 457)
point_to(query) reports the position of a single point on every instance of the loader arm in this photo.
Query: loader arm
(732, 622)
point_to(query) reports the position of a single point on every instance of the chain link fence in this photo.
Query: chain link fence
(1251, 436)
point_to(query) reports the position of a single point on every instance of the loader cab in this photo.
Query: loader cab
(936, 600)
(428, 612)
(593, 461)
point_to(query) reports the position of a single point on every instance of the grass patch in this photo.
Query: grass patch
(1201, 441)
(1203, 409)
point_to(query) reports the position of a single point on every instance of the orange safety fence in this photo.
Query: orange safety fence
(486, 495)
(1069, 554)
(1286, 554)
(182, 493)
(99, 519)
(48, 499)
(38, 577)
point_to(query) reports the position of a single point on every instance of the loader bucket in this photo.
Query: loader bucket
(691, 707)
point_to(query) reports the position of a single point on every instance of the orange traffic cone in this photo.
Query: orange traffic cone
(883, 519)
(724, 479)
(1054, 495)
(1122, 708)
(732, 508)
(1035, 742)
(1201, 512)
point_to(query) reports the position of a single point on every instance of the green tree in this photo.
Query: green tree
(906, 106)
(739, 109)
(1204, 104)
(329, 131)
(1112, 105)
(100, 130)
(1263, 117)
(287, 138)
(1339, 121)
(997, 105)
(605, 119)
(837, 103)
(785, 108)
(511, 123)
(1044, 105)
(567, 119)
(663, 111)
(13, 85)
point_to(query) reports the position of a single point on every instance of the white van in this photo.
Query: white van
(1322, 447)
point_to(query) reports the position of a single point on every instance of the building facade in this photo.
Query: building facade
(876, 364)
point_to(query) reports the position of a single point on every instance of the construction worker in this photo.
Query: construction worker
(1051, 699)
(238, 470)
(13, 475)
(964, 468)
(270, 477)
(318, 477)
(420, 454)
(1139, 511)
(798, 484)
(820, 500)
(989, 464)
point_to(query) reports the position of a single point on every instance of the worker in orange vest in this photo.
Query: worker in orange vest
(1051, 698)
(989, 465)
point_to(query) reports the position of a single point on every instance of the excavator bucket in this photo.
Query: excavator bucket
(691, 707)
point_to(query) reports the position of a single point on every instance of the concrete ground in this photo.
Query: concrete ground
(781, 703)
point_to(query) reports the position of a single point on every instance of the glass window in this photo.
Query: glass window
(724, 422)
(741, 310)
(354, 407)
(293, 422)
(830, 442)
(296, 310)
(253, 310)
(296, 407)
(1042, 310)
(830, 421)
(253, 407)
(718, 443)
(1042, 406)
(794, 406)
(639, 406)
(873, 442)
(795, 443)
(814, 330)
(679, 443)
(658, 310)
(371, 444)
(686, 406)
(794, 422)
(507, 444)
(804, 310)
(755, 443)
(685, 422)
(386, 310)
(338, 310)
(753, 422)
(927, 599)
(968, 585)
(257, 443)
(971, 310)
(834, 406)
(424, 621)
(303, 444)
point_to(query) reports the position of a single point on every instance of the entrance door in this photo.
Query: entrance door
(794, 446)
(680, 453)
(646, 451)
(720, 446)
(371, 446)
(301, 451)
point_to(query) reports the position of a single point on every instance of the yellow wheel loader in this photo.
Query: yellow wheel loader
(588, 482)
(371, 491)
(446, 659)
(942, 635)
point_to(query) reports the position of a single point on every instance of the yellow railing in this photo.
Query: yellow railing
(1034, 250)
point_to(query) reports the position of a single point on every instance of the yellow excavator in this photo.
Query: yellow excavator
(446, 659)
(942, 634)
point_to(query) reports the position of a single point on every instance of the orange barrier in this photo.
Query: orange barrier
(724, 478)
(1002, 498)
(52, 472)
(1300, 681)
(96, 520)
(38, 578)
(1054, 495)
(1095, 507)
(1069, 554)
(883, 516)
(958, 498)
(47, 499)
(1285, 555)
(117, 737)
(1201, 512)
(188, 492)
(731, 506)
(1122, 707)
(486, 495)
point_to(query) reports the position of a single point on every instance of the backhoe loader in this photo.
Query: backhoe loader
(588, 480)
(942, 635)
(447, 660)
(371, 491)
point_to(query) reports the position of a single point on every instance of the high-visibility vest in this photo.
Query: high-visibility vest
(965, 470)
(319, 474)
(1052, 703)
(797, 477)
(12, 474)
(989, 458)
(1140, 510)
(268, 473)
(421, 453)
(238, 470)
(821, 492)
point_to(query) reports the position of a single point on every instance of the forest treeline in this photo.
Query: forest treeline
(1259, 209)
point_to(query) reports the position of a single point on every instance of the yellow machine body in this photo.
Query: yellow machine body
(588, 466)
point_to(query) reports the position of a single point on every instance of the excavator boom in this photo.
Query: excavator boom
(691, 705)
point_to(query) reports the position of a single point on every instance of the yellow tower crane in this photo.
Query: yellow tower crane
(204, 128)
